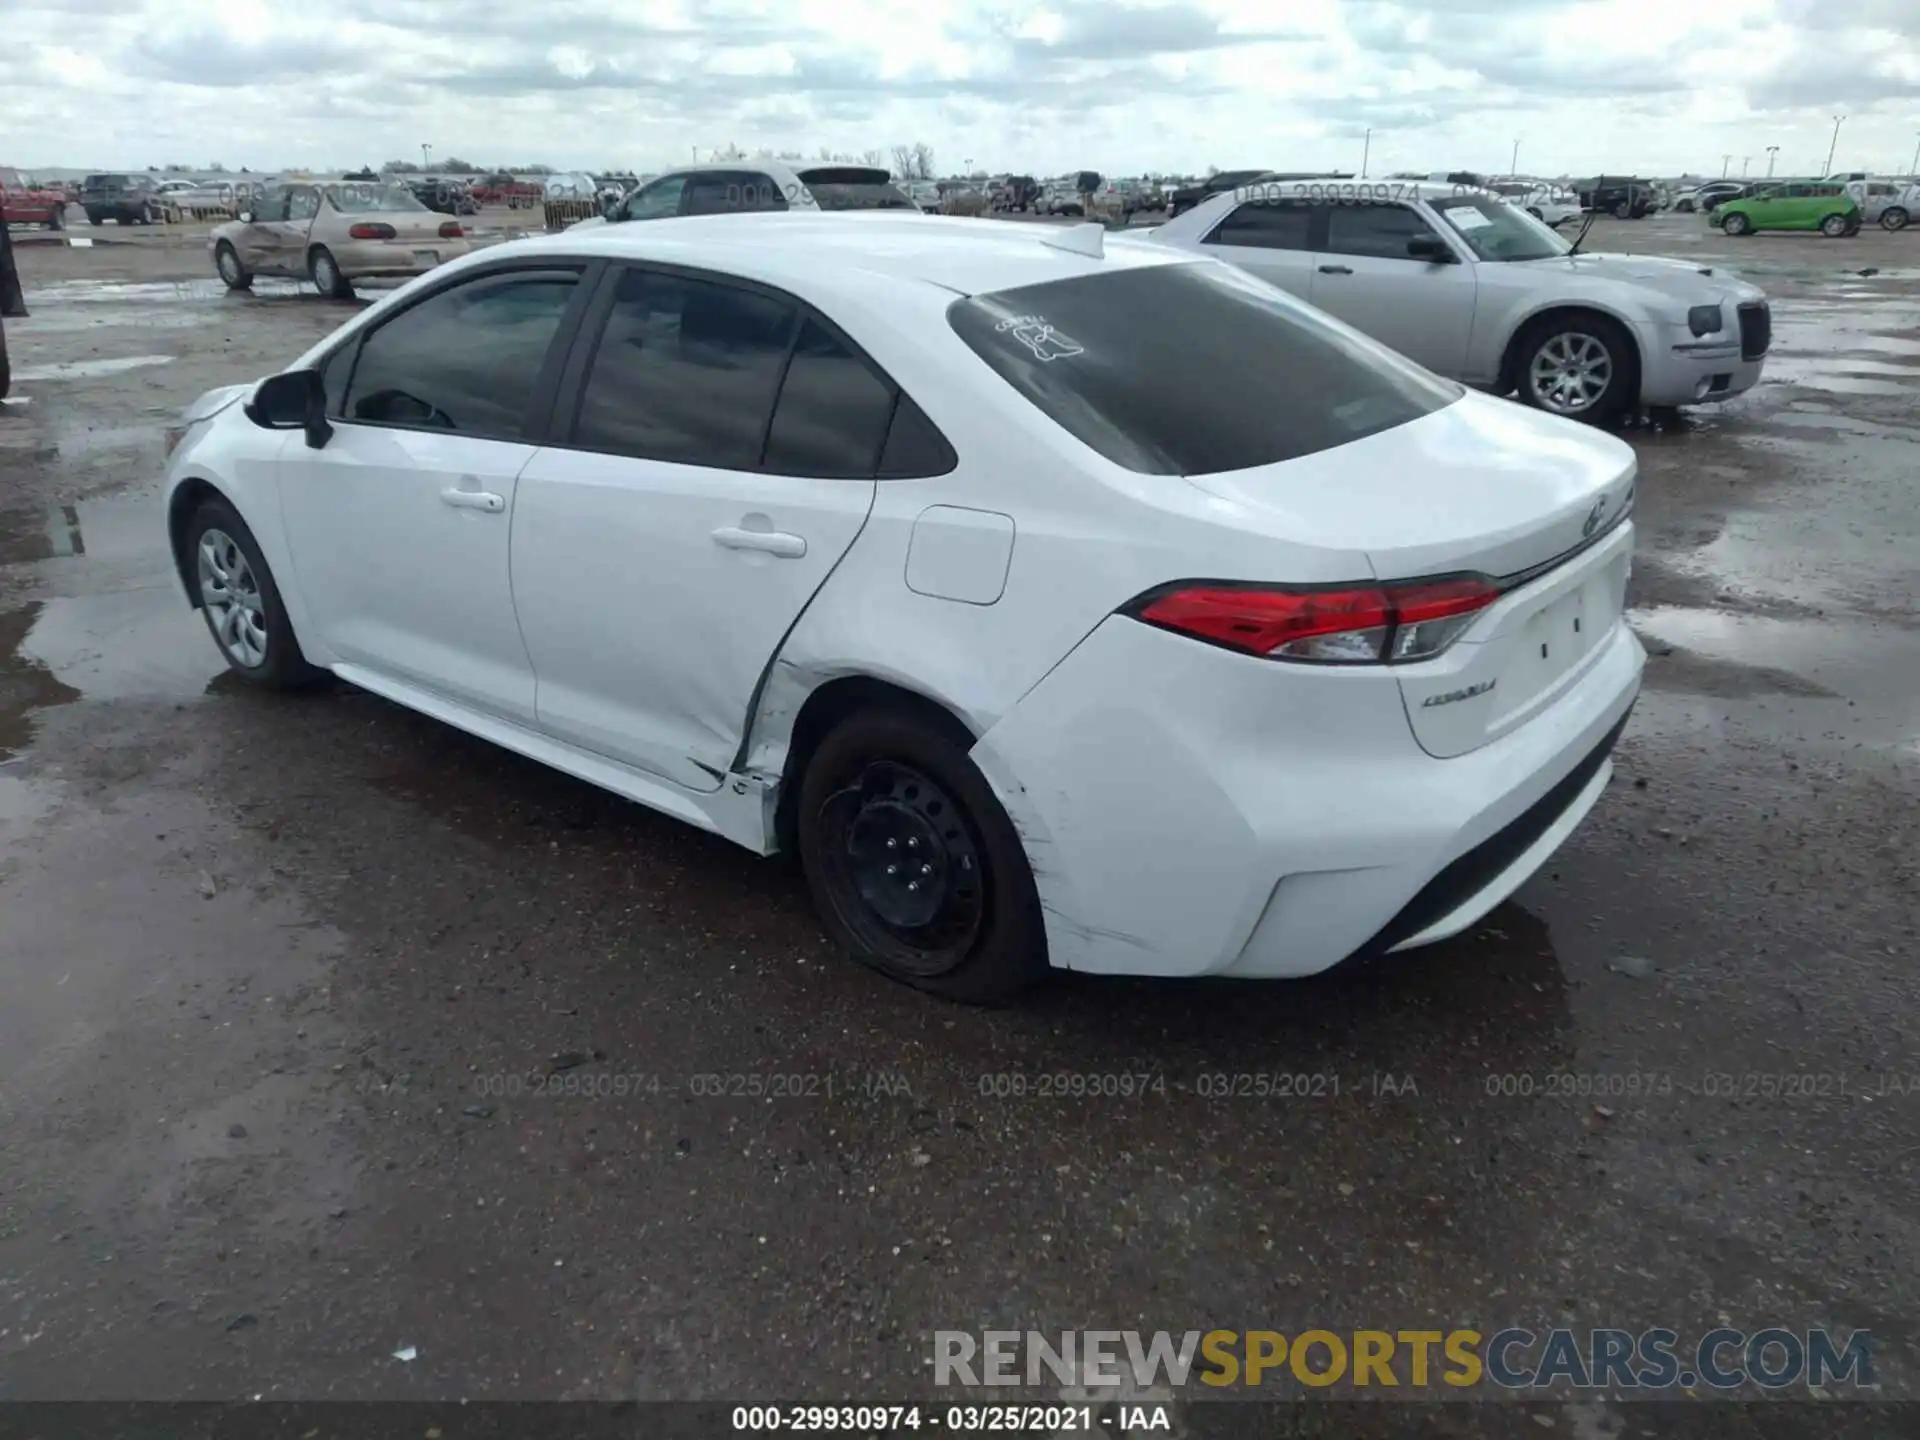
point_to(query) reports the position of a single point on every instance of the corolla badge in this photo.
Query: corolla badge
(1593, 517)
(1456, 695)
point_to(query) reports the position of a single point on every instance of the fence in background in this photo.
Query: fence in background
(562, 213)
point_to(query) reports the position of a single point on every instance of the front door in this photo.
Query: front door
(1362, 274)
(260, 238)
(399, 526)
(661, 555)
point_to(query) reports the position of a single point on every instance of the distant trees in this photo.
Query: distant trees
(913, 162)
(399, 167)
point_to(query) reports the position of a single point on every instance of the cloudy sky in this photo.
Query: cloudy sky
(1647, 85)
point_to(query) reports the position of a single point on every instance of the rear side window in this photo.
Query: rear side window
(833, 413)
(685, 372)
(854, 187)
(1281, 225)
(1192, 368)
(465, 360)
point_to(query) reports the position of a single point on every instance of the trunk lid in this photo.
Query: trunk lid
(1487, 487)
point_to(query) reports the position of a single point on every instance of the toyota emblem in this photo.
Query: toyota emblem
(1593, 517)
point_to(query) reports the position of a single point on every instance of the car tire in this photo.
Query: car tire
(887, 782)
(94, 217)
(240, 602)
(1623, 210)
(226, 262)
(1736, 224)
(325, 272)
(1834, 227)
(146, 214)
(58, 219)
(1560, 356)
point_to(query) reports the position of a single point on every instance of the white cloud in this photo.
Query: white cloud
(1038, 85)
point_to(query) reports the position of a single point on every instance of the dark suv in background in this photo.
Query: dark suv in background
(130, 199)
(1625, 197)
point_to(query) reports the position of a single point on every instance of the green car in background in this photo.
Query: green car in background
(1792, 205)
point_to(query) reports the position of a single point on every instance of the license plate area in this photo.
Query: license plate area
(426, 257)
(1559, 637)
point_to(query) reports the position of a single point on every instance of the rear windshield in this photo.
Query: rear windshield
(854, 187)
(1193, 369)
(363, 199)
(104, 182)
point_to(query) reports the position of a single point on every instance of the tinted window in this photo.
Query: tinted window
(914, 447)
(658, 200)
(465, 360)
(854, 187)
(1278, 226)
(685, 371)
(1381, 231)
(334, 371)
(720, 192)
(1192, 368)
(270, 204)
(832, 416)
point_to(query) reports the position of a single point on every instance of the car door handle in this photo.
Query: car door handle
(1336, 270)
(474, 500)
(773, 542)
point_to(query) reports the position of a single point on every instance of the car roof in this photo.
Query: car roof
(807, 251)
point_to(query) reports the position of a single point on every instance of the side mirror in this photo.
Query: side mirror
(1430, 248)
(293, 400)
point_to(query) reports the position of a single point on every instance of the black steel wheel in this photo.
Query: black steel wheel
(913, 864)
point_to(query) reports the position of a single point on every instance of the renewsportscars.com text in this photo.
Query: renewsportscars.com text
(1510, 1359)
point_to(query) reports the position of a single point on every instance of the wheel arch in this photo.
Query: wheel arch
(1509, 377)
(187, 498)
(825, 706)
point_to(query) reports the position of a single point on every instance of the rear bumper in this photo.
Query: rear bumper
(1286, 820)
(394, 259)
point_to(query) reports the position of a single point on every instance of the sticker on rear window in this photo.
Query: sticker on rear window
(1466, 217)
(1042, 339)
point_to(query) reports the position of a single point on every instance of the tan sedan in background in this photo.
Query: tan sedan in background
(334, 233)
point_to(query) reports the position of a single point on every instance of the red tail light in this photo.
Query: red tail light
(369, 231)
(451, 230)
(1344, 625)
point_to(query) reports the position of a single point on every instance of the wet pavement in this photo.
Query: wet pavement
(274, 973)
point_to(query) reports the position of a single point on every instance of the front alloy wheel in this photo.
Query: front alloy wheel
(1834, 226)
(1893, 217)
(230, 592)
(1570, 373)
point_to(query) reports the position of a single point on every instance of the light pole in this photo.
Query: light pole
(1513, 165)
(1726, 164)
(1366, 150)
(1914, 168)
(424, 148)
(1745, 161)
(1772, 150)
(1834, 143)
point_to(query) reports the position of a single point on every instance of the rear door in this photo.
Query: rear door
(1270, 238)
(665, 546)
(1363, 274)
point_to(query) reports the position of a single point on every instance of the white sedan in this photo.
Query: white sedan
(1061, 603)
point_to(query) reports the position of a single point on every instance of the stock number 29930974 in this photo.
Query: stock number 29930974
(889, 1419)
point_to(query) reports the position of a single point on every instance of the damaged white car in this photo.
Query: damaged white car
(1062, 604)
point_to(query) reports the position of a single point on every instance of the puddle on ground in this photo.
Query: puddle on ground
(1817, 681)
(122, 527)
(87, 369)
(148, 292)
(129, 644)
(26, 685)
